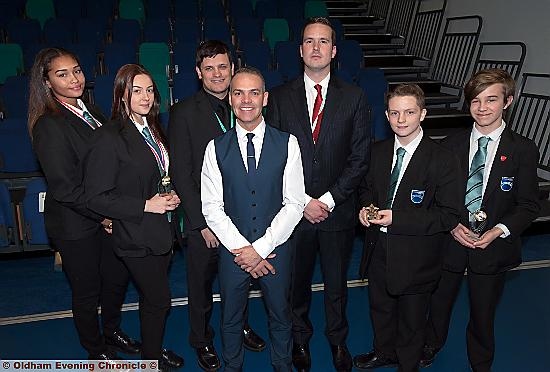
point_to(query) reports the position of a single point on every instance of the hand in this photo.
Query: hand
(107, 225)
(385, 218)
(363, 217)
(488, 237)
(247, 258)
(263, 268)
(209, 238)
(463, 235)
(161, 203)
(316, 211)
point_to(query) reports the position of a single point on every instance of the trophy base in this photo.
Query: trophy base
(475, 237)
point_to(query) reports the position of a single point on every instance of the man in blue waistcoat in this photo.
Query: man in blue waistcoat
(253, 196)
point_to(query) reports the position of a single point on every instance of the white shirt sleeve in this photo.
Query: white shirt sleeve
(212, 203)
(294, 198)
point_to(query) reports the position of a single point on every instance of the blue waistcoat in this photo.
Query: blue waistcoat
(252, 207)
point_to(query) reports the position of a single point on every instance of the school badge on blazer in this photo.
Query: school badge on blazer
(417, 196)
(506, 183)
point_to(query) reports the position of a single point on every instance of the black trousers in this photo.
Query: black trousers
(334, 249)
(485, 292)
(150, 275)
(398, 321)
(202, 268)
(97, 277)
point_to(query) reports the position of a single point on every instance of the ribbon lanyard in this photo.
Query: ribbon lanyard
(161, 161)
(231, 118)
(72, 109)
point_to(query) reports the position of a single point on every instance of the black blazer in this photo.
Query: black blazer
(339, 159)
(192, 125)
(61, 142)
(415, 237)
(516, 157)
(121, 174)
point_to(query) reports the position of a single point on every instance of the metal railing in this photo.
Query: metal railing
(425, 29)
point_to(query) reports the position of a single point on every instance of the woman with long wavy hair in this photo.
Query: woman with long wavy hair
(61, 126)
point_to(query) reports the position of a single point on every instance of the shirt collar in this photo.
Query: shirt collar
(411, 147)
(141, 127)
(259, 131)
(310, 84)
(494, 135)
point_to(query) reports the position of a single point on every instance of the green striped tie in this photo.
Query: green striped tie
(474, 186)
(395, 176)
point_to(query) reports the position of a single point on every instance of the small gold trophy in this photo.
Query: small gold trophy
(165, 188)
(478, 221)
(372, 212)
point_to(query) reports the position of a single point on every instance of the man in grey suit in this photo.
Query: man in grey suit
(330, 119)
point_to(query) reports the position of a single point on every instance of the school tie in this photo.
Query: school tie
(316, 114)
(89, 119)
(149, 138)
(400, 152)
(474, 186)
(250, 157)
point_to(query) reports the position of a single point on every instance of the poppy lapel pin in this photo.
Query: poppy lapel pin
(503, 157)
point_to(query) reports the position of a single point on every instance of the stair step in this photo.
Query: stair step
(336, 12)
(358, 20)
(373, 38)
(443, 122)
(395, 60)
(346, 4)
(428, 86)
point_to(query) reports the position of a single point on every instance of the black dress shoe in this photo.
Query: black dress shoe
(120, 341)
(341, 358)
(301, 359)
(208, 358)
(372, 360)
(252, 341)
(170, 359)
(428, 355)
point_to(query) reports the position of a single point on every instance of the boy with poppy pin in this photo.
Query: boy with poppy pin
(507, 192)
(414, 182)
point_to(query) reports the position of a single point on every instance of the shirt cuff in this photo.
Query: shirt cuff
(506, 231)
(262, 247)
(328, 200)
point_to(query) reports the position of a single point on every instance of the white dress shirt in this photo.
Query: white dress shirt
(311, 95)
(492, 148)
(293, 196)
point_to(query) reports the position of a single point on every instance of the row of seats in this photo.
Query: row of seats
(30, 220)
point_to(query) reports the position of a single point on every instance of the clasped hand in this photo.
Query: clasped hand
(250, 261)
(162, 203)
(316, 211)
(384, 218)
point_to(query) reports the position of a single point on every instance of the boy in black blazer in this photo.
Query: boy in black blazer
(413, 181)
(509, 192)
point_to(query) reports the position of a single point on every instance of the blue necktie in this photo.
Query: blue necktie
(250, 157)
(395, 176)
(89, 119)
(474, 186)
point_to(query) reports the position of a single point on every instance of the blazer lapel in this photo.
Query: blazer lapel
(138, 150)
(334, 96)
(504, 151)
(384, 173)
(206, 115)
(299, 102)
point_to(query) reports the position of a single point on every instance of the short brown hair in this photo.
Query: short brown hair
(321, 20)
(482, 79)
(209, 49)
(407, 89)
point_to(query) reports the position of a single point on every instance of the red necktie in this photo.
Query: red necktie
(316, 114)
